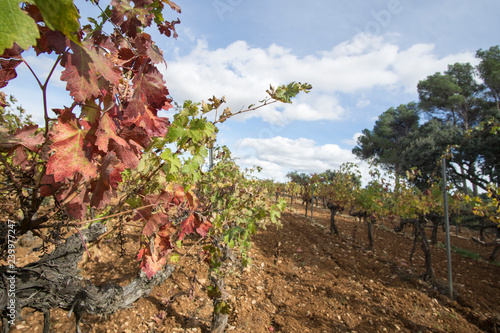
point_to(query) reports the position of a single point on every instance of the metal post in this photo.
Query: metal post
(312, 201)
(447, 225)
(210, 159)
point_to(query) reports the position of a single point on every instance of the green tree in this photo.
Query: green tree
(484, 141)
(298, 178)
(489, 70)
(354, 177)
(423, 148)
(383, 143)
(457, 98)
(454, 96)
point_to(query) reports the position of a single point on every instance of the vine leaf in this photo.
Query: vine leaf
(29, 137)
(153, 254)
(149, 87)
(8, 63)
(49, 41)
(110, 176)
(83, 68)
(107, 132)
(167, 28)
(78, 206)
(150, 95)
(159, 230)
(151, 261)
(173, 5)
(136, 139)
(71, 149)
(23, 137)
(81, 78)
(154, 223)
(131, 19)
(16, 26)
(144, 117)
(61, 15)
(285, 93)
(147, 48)
(195, 222)
(48, 186)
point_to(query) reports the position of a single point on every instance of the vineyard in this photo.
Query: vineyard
(305, 280)
(115, 218)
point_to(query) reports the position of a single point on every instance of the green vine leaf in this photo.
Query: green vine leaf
(61, 15)
(285, 93)
(16, 26)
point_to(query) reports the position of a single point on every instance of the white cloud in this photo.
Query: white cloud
(354, 141)
(278, 155)
(302, 154)
(363, 103)
(242, 73)
(418, 62)
(310, 107)
(270, 170)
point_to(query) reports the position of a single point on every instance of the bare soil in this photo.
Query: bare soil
(302, 280)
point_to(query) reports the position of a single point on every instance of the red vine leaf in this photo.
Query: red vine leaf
(147, 119)
(176, 194)
(9, 60)
(49, 41)
(154, 223)
(33, 12)
(136, 134)
(109, 177)
(195, 222)
(48, 186)
(106, 132)
(168, 27)
(136, 139)
(149, 87)
(146, 47)
(25, 136)
(20, 158)
(127, 144)
(151, 262)
(28, 137)
(77, 207)
(80, 76)
(173, 5)
(158, 228)
(162, 243)
(83, 68)
(192, 199)
(71, 150)
(153, 255)
(129, 18)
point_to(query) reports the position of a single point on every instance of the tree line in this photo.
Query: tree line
(456, 113)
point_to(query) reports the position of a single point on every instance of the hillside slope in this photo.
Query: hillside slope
(305, 280)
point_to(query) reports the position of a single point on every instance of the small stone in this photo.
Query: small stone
(27, 240)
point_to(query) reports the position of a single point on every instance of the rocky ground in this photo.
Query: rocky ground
(302, 280)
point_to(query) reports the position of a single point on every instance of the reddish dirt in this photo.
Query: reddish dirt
(303, 280)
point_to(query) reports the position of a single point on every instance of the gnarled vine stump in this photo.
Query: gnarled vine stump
(54, 281)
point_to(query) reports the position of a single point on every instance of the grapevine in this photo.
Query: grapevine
(115, 147)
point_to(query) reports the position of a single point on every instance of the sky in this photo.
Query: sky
(361, 58)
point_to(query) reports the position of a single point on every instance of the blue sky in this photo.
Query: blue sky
(361, 57)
